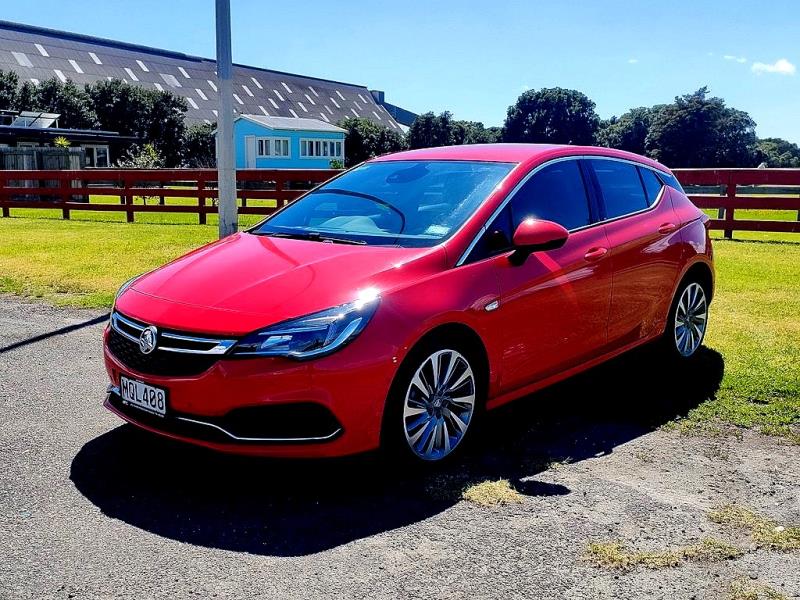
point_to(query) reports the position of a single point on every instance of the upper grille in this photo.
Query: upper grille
(176, 354)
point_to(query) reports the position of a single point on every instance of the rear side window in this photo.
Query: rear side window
(652, 184)
(620, 186)
(556, 193)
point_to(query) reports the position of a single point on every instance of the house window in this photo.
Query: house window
(274, 147)
(320, 148)
(97, 156)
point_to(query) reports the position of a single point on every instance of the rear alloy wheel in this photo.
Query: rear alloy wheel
(690, 320)
(439, 404)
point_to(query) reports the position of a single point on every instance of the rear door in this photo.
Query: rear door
(645, 248)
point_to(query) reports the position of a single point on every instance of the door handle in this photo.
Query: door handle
(666, 228)
(595, 254)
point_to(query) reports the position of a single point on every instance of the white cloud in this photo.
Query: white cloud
(780, 66)
(739, 59)
(633, 61)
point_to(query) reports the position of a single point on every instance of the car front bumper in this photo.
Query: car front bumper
(278, 407)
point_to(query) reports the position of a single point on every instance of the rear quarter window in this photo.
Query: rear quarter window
(652, 184)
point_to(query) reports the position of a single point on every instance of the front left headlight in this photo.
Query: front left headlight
(310, 336)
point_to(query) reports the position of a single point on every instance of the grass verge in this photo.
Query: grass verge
(765, 532)
(614, 555)
(754, 326)
(492, 493)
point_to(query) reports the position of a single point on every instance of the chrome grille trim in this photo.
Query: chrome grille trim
(217, 346)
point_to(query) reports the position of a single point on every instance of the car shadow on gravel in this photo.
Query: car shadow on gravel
(293, 508)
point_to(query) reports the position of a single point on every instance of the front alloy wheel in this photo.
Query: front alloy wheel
(691, 317)
(439, 404)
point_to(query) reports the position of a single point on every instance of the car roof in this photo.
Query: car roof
(515, 153)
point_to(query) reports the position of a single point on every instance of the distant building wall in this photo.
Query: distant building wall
(245, 130)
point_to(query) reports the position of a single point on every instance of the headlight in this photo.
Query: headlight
(311, 336)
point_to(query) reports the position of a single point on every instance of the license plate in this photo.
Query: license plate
(146, 397)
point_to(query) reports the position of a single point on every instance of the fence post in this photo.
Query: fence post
(279, 188)
(201, 198)
(128, 199)
(729, 210)
(4, 196)
(62, 189)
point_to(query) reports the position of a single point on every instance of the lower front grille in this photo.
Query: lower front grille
(158, 362)
(303, 422)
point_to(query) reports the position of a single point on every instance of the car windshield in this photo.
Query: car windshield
(390, 203)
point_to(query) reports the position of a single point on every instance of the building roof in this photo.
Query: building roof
(515, 153)
(37, 54)
(292, 124)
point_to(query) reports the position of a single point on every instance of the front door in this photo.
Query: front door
(250, 151)
(556, 304)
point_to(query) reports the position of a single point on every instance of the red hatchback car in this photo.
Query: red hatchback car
(393, 304)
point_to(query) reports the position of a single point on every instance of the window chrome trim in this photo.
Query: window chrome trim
(523, 181)
(219, 346)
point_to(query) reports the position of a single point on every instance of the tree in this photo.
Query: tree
(141, 157)
(777, 152)
(9, 90)
(429, 130)
(364, 139)
(199, 146)
(698, 131)
(157, 117)
(552, 115)
(71, 102)
(629, 131)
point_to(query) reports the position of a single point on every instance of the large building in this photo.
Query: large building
(37, 54)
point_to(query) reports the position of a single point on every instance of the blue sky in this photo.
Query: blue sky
(474, 58)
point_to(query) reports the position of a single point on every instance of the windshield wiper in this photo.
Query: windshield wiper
(313, 236)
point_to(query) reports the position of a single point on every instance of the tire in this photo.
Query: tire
(429, 419)
(687, 321)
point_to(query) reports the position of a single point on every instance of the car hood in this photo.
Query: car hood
(245, 281)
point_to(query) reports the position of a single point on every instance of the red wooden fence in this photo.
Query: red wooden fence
(778, 189)
(69, 190)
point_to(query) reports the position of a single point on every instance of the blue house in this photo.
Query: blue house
(263, 142)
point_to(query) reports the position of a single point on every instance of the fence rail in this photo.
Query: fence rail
(749, 189)
(726, 190)
(70, 190)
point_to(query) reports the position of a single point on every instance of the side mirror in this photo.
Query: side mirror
(534, 235)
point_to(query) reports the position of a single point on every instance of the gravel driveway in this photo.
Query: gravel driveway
(90, 508)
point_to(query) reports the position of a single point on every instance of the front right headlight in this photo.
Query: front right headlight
(311, 336)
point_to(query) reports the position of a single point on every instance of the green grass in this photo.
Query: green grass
(141, 217)
(754, 324)
(754, 317)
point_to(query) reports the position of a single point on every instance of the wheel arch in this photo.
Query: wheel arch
(459, 331)
(701, 272)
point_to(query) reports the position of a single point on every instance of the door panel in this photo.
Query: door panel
(646, 254)
(555, 308)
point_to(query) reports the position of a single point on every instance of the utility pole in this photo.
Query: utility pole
(226, 169)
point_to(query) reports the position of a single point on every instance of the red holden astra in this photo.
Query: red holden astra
(395, 303)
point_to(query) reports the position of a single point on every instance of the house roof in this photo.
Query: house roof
(292, 124)
(37, 54)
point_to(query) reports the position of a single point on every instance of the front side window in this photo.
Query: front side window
(390, 203)
(620, 187)
(555, 193)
